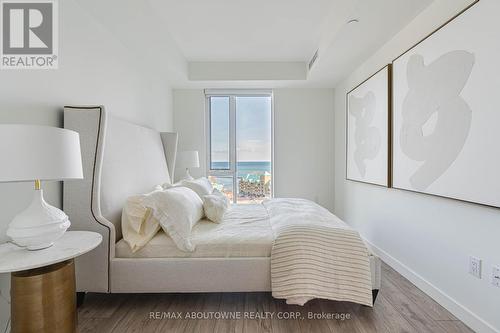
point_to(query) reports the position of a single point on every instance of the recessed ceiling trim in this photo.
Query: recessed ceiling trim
(247, 71)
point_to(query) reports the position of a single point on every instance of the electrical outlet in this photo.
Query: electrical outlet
(475, 267)
(495, 276)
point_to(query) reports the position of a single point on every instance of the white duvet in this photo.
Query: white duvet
(244, 232)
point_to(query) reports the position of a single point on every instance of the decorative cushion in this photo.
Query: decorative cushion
(215, 206)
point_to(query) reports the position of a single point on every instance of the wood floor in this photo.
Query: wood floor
(400, 307)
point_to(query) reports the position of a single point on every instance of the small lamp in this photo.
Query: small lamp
(35, 153)
(188, 159)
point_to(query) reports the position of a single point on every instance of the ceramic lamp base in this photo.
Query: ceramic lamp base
(188, 176)
(39, 226)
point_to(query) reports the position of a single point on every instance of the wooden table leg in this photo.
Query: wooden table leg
(44, 299)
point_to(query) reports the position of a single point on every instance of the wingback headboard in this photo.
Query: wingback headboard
(120, 159)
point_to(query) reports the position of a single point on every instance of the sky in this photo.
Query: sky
(253, 128)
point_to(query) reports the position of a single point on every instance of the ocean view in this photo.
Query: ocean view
(246, 169)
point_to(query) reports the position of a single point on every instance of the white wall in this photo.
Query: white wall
(94, 69)
(303, 148)
(189, 123)
(426, 238)
(303, 144)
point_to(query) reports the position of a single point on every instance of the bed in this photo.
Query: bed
(121, 159)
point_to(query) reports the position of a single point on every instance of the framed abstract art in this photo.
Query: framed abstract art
(367, 130)
(446, 110)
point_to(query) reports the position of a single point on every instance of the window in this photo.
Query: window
(240, 144)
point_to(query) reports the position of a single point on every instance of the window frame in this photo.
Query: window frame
(232, 172)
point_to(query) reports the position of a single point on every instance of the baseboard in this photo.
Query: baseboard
(458, 310)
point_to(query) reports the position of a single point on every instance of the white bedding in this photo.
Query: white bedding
(313, 254)
(178, 209)
(245, 232)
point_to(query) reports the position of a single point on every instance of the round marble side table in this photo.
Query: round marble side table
(43, 297)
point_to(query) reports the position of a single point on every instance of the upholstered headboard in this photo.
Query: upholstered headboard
(120, 159)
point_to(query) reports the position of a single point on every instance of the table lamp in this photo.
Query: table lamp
(188, 159)
(31, 154)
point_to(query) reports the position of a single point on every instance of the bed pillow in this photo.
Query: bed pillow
(177, 209)
(201, 186)
(215, 206)
(139, 225)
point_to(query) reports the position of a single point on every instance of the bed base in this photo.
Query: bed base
(157, 275)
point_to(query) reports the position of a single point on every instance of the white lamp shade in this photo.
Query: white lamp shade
(30, 152)
(188, 159)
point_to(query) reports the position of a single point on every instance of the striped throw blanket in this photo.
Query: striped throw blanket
(316, 255)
